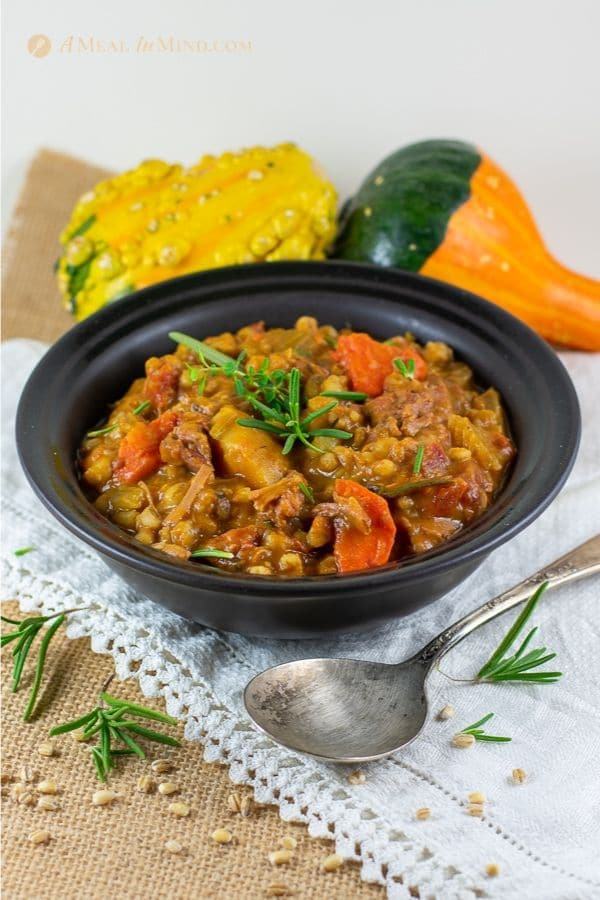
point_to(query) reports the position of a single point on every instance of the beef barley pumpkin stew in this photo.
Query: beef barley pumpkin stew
(301, 451)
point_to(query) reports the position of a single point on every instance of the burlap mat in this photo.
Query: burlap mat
(118, 851)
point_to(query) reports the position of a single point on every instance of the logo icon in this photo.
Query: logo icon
(39, 45)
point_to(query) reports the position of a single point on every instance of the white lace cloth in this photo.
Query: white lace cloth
(544, 834)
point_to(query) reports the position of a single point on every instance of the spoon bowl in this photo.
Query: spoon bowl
(352, 710)
(340, 710)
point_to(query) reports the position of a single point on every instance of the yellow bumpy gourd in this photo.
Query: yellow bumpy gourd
(161, 220)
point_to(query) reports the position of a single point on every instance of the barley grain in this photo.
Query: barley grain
(463, 741)
(46, 749)
(167, 787)
(146, 784)
(39, 837)
(179, 808)
(332, 862)
(103, 797)
(47, 787)
(174, 847)
(357, 777)
(222, 836)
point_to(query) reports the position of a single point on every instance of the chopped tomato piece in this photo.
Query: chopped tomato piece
(162, 383)
(368, 362)
(139, 451)
(355, 549)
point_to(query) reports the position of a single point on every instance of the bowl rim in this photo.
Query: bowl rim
(468, 545)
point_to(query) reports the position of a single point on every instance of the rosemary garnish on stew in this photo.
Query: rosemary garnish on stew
(307, 491)
(356, 396)
(98, 432)
(479, 734)
(141, 407)
(212, 552)
(273, 393)
(405, 367)
(418, 459)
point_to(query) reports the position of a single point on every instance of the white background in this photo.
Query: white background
(349, 82)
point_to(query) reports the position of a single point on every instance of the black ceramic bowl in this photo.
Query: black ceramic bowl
(95, 362)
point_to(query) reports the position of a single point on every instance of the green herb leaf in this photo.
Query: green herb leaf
(418, 459)
(356, 396)
(141, 407)
(137, 709)
(405, 367)
(100, 431)
(112, 728)
(210, 552)
(24, 637)
(74, 724)
(519, 666)
(307, 491)
(480, 735)
(204, 351)
(275, 394)
(22, 551)
(331, 432)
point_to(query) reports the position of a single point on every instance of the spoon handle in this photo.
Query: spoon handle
(578, 563)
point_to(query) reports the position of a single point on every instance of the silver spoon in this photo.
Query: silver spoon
(350, 710)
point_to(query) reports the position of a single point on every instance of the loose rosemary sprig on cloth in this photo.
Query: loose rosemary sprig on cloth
(273, 393)
(115, 722)
(479, 734)
(25, 634)
(520, 666)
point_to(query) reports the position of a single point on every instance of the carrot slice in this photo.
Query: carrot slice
(139, 451)
(368, 362)
(354, 549)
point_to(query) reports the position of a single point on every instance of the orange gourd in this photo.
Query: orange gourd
(447, 210)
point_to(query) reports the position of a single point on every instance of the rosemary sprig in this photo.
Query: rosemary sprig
(98, 432)
(274, 394)
(520, 666)
(307, 491)
(25, 634)
(141, 407)
(418, 459)
(405, 367)
(115, 722)
(356, 396)
(210, 551)
(479, 734)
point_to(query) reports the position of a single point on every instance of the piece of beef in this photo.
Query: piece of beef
(412, 404)
(188, 443)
